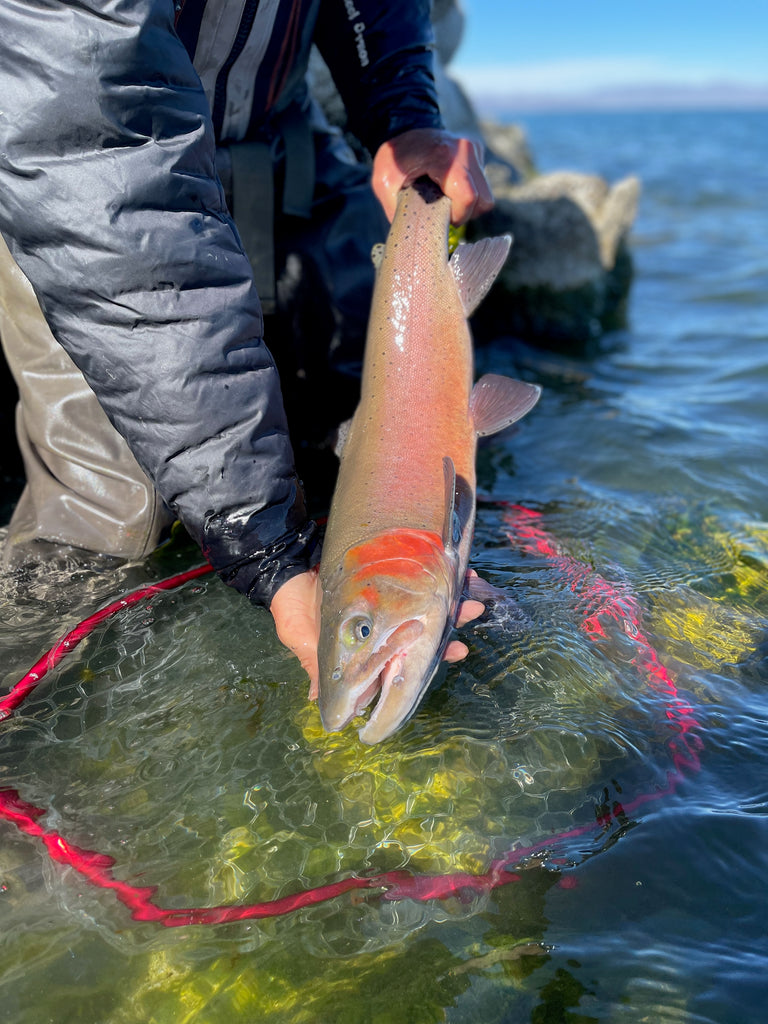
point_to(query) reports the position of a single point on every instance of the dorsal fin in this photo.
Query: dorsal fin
(475, 266)
(497, 402)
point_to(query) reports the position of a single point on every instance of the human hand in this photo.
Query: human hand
(295, 608)
(453, 163)
(296, 611)
(469, 609)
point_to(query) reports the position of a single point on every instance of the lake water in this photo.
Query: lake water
(617, 739)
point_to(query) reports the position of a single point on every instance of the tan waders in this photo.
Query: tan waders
(84, 487)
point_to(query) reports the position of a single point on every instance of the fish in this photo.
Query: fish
(397, 543)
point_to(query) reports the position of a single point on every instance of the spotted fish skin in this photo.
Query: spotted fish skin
(400, 527)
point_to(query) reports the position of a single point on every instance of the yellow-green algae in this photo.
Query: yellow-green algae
(317, 807)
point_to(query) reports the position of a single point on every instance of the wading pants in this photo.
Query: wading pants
(84, 488)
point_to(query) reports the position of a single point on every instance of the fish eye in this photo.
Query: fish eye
(357, 630)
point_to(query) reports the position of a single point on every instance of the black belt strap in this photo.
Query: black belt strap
(253, 193)
(299, 185)
(253, 207)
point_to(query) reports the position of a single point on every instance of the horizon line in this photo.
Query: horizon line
(628, 96)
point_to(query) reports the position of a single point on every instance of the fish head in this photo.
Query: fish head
(386, 614)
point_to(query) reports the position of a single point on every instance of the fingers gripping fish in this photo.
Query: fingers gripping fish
(400, 528)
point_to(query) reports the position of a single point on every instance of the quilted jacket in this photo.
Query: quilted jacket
(110, 113)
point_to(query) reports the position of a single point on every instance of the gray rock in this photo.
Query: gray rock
(508, 158)
(448, 25)
(458, 113)
(569, 271)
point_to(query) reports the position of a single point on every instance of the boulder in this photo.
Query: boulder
(506, 146)
(448, 22)
(568, 274)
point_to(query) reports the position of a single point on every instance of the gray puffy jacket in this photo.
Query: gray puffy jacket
(110, 112)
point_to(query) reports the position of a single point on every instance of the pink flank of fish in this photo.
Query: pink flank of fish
(400, 528)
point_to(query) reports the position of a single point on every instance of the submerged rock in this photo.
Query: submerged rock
(568, 274)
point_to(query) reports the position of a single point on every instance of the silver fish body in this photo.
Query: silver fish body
(400, 528)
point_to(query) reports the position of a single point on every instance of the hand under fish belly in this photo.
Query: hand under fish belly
(400, 529)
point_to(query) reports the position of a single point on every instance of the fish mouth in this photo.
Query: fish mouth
(382, 674)
(389, 676)
(389, 691)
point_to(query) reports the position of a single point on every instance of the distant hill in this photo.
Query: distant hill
(656, 96)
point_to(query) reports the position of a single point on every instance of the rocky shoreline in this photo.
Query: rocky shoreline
(568, 275)
(569, 272)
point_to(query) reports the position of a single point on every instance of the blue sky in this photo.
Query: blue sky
(559, 46)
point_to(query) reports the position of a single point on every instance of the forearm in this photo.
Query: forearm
(380, 56)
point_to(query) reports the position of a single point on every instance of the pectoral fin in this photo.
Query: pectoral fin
(451, 528)
(500, 607)
(498, 402)
(459, 506)
(475, 266)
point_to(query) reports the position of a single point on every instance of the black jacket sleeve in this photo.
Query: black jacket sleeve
(379, 53)
(110, 204)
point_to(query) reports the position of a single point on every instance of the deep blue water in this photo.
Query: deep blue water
(178, 739)
(654, 453)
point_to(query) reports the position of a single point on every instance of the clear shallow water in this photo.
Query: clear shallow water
(177, 739)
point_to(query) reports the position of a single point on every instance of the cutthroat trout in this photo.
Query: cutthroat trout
(400, 527)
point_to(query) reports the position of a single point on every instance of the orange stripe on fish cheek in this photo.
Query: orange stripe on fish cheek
(396, 544)
(397, 568)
